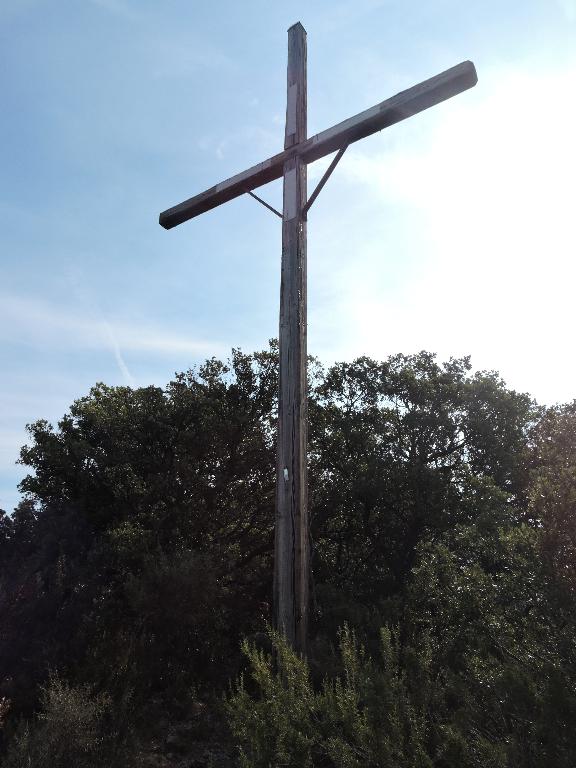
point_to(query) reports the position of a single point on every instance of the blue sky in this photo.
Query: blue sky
(452, 231)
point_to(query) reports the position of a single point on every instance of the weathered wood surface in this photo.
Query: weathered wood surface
(291, 563)
(291, 552)
(398, 108)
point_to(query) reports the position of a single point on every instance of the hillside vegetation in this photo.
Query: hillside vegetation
(136, 576)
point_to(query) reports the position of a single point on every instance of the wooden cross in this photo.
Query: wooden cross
(291, 552)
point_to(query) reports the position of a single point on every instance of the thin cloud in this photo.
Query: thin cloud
(129, 379)
(11, 440)
(28, 321)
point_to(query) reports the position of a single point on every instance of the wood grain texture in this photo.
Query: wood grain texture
(291, 552)
(399, 107)
(291, 561)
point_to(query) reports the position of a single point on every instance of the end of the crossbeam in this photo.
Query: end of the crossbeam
(452, 82)
(297, 25)
(164, 221)
(471, 74)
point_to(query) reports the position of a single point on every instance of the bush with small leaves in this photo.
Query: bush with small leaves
(364, 718)
(74, 728)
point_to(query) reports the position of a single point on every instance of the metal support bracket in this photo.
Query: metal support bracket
(323, 180)
(264, 203)
(314, 194)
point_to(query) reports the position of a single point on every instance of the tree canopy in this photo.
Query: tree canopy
(441, 524)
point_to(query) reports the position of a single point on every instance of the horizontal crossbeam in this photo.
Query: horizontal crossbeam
(398, 108)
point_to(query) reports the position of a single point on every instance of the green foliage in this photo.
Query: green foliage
(553, 492)
(277, 728)
(74, 728)
(167, 632)
(146, 532)
(365, 717)
(441, 505)
(396, 450)
(502, 652)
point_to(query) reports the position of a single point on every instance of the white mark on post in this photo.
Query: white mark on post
(285, 474)
(290, 194)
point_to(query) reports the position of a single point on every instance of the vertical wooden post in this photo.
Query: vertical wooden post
(291, 564)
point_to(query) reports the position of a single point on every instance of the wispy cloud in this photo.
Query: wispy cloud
(261, 141)
(30, 321)
(11, 441)
(44, 389)
(129, 379)
(178, 56)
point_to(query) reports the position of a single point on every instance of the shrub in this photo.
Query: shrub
(361, 719)
(74, 728)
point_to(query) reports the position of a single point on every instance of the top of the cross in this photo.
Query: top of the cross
(298, 24)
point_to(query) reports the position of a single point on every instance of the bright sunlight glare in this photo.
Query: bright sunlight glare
(492, 186)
